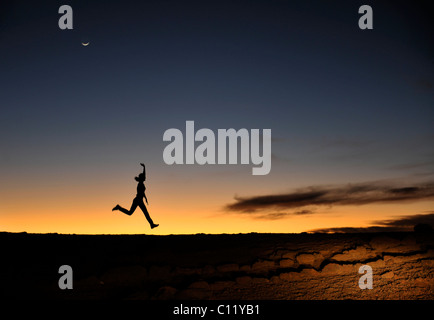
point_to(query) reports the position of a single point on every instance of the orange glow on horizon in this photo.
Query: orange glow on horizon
(184, 220)
(73, 207)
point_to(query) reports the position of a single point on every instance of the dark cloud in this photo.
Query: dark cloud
(405, 223)
(358, 230)
(280, 215)
(408, 221)
(271, 215)
(303, 212)
(351, 194)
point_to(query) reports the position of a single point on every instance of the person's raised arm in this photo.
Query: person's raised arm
(144, 169)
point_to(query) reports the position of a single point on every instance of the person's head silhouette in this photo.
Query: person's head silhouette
(140, 178)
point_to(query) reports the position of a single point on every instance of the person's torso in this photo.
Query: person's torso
(141, 189)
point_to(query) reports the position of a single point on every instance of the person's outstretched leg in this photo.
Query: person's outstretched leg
(148, 217)
(128, 212)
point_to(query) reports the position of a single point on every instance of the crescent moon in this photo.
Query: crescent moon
(85, 44)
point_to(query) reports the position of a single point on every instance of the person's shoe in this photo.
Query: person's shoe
(154, 226)
(116, 208)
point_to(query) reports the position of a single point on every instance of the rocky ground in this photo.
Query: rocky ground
(214, 267)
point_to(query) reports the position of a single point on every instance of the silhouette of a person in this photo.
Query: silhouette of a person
(138, 200)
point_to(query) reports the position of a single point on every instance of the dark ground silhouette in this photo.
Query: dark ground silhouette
(219, 267)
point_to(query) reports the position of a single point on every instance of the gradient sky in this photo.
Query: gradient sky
(345, 106)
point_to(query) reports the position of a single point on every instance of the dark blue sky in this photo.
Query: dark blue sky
(343, 104)
(303, 69)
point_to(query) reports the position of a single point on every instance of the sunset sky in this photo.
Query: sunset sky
(351, 113)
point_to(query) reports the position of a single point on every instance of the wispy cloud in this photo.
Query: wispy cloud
(303, 200)
(280, 215)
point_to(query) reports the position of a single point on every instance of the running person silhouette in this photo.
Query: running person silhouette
(138, 200)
